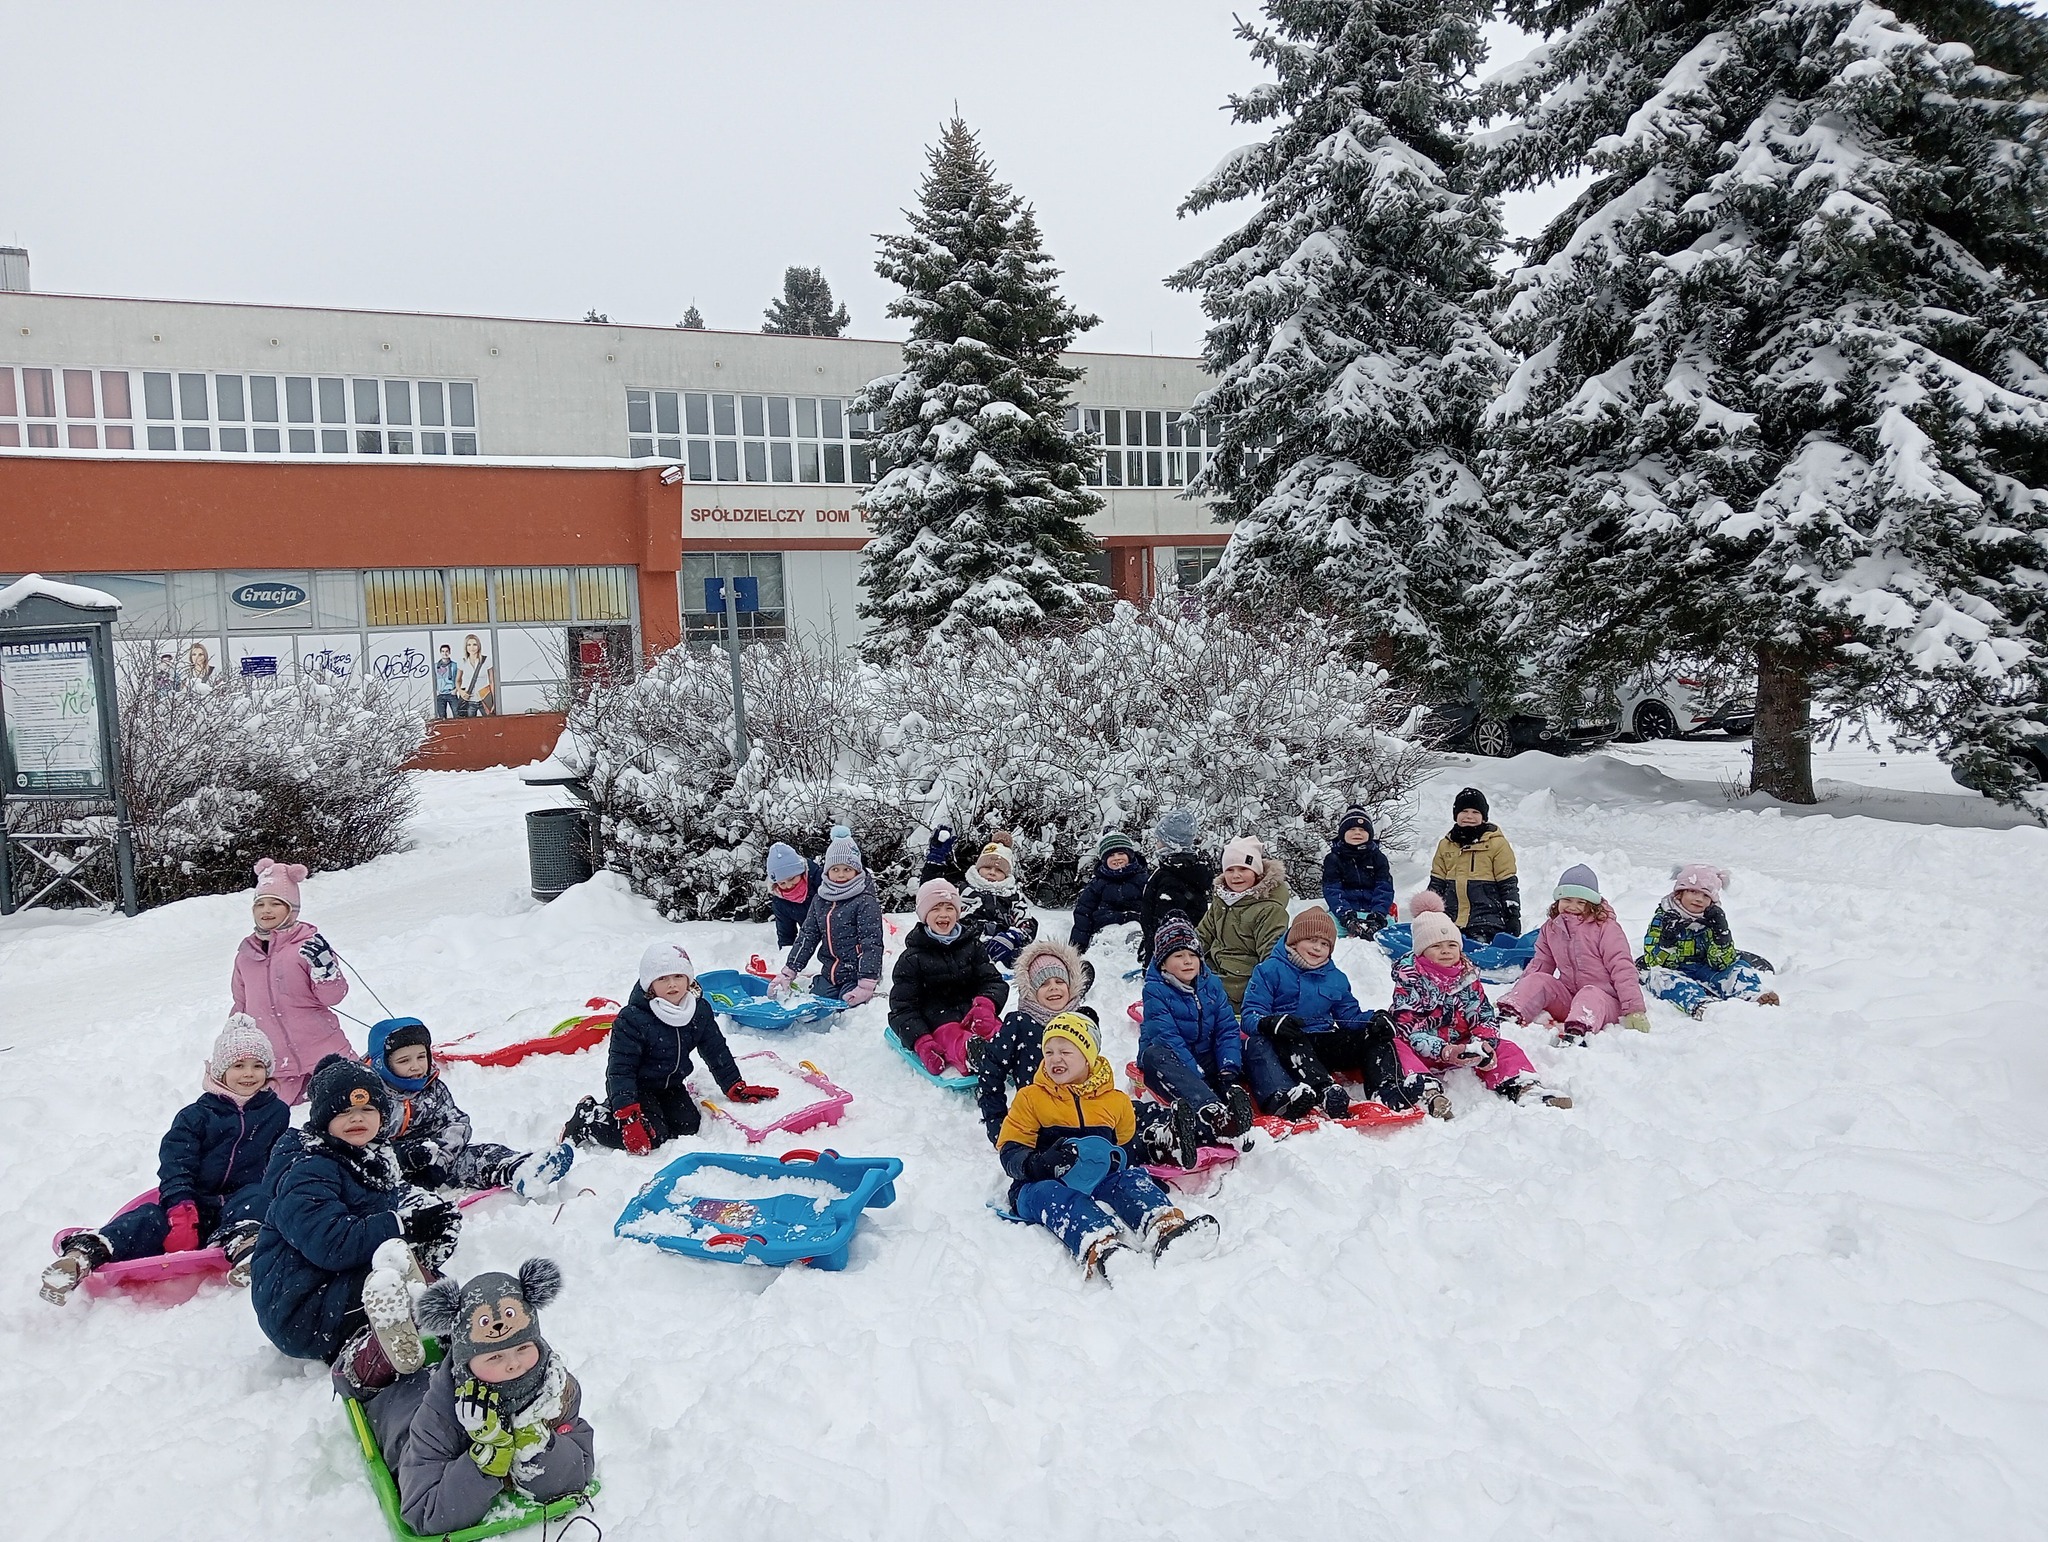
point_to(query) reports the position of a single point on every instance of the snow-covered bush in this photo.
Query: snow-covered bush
(1056, 737)
(219, 776)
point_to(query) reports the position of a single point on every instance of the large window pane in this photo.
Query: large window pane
(462, 406)
(700, 460)
(192, 399)
(468, 587)
(697, 412)
(145, 602)
(751, 415)
(1152, 427)
(263, 399)
(728, 461)
(835, 462)
(156, 394)
(723, 418)
(227, 392)
(298, 400)
(301, 441)
(7, 407)
(806, 417)
(1112, 428)
(603, 594)
(780, 467)
(266, 440)
(835, 417)
(120, 437)
(778, 417)
(639, 413)
(78, 394)
(333, 402)
(199, 438)
(82, 436)
(757, 461)
(806, 462)
(533, 594)
(431, 411)
(398, 401)
(366, 402)
(404, 597)
(39, 393)
(234, 438)
(667, 419)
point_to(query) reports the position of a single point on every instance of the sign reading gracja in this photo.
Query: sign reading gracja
(269, 596)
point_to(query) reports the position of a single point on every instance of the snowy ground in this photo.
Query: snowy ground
(1778, 1275)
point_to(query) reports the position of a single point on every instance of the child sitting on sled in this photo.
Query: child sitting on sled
(288, 979)
(994, 902)
(1114, 894)
(209, 1172)
(1358, 886)
(791, 883)
(647, 1061)
(1689, 954)
(843, 927)
(1247, 914)
(1442, 1020)
(1050, 978)
(500, 1413)
(1068, 1145)
(1302, 1023)
(1582, 978)
(431, 1133)
(1190, 1051)
(946, 989)
(345, 1232)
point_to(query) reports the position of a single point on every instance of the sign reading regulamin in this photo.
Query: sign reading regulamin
(54, 744)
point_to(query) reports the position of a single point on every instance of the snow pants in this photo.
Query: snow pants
(140, 1233)
(1691, 987)
(667, 1112)
(1175, 1075)
(1508, 1060)
(1592, 1007)
(482, 1165)
(1275, 1065)
(1131, 1196)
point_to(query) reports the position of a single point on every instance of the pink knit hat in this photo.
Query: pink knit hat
(279, 881)
(1245, 851)
(1431, 928)
(930, 893)
(1709, 880)
(1426, 901)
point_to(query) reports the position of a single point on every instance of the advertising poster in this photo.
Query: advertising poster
(51, 710)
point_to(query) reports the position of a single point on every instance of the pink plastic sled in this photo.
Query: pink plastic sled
(825, 1110)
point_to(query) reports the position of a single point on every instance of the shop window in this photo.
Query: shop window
(768, 624)
(470, 594)
(404, 597)
(533, 594)
(1192, 564)
(604, 594)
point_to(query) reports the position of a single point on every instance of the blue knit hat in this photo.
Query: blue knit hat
(1578, 883)
(1177, 830)
(784, 863)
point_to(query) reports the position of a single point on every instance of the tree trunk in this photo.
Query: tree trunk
(1781, 749)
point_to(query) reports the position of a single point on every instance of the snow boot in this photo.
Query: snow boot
(1215, 1123)
(1190, 1236)
(1158, 1143)
(1187, 1133)
(583, 1119)
(362, 1366)
(1523, 1089)
(1098, 1257)
(387, 1302)
(1428, 1093)
(1296, 1101)
(239, 1243)
(537, 1172)
(1336, 1101)
(1767, 999)
(1240, 1105)
(84, 1251)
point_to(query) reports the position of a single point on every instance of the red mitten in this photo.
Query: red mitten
(928, 1053)
(952, 1042)
(183, 1237)
(981, 1018)
(633, 1129)
(745, 1092)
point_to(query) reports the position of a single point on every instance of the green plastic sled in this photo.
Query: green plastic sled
(510, 1513)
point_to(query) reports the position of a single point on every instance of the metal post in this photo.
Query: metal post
(739, 692)
(124, 832)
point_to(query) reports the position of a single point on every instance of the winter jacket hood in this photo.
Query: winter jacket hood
(1020, 977)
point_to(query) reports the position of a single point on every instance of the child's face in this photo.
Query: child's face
(1314, 951)
(1470, 818)
(671, 988)
(839, 872)
(1054, 992)
(1444, 954)
(1355, 836)
(502, 1365)
(245, 1077)
(791, 885)
(1574, 907)
(1064, 1062)
(1239, 879)
(1117, 860)
(414, 1061)
(1693, 902)
(1182, 966)
(271, 913)
(357, 1126)
(942, 917)
(992, 870)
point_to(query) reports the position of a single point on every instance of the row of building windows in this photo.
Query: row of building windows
(83, 409)
(732, 437)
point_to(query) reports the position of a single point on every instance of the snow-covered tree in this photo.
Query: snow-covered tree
(1785, 390)
(1351, 360)
(693, 319)
(805, 308)
(977, 521)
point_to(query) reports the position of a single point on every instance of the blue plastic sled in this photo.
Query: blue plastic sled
(744, 998)
(679, 1211)
(1504, 952)
(952, 1081)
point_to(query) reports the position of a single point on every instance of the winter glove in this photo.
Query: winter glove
(1283, 1025)
(1375, 924)
(940, 851)
(1469, 1053)
(928, 1053)
(183, 1237)
(489, 1431)
(1430, 1046)
(862, 993)
(1053, 1162)
(1640, 1021)
(320, 959)
(633, 1129)
(746, 1092)
(1514, 920)
(1489, 1052)
(423, 1163)
(951, 1042)
(783, 983)
(425, 1221)
(1350, 923)
(980, 1020)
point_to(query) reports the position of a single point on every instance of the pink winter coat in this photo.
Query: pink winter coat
(1589, 950)
(291, 1002)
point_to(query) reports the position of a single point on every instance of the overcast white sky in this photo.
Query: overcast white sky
(539, 160)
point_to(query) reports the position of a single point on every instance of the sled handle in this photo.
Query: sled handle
(805, 1154)
(726, 1239)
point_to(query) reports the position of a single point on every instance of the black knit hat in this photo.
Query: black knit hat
(414, 1032)
(1355, 818)
(1472, 798)
(340, 1084)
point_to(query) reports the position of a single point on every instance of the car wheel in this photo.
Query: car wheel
(1654, 721)
(1490, 736)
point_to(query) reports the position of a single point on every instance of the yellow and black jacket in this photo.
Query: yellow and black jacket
(1474, 871)
(1044, 1114)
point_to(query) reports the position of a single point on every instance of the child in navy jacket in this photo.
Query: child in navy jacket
(1190, 1050)
(791, 883)
(1358, 886)
(209, 1176)
(1302, 1023)
(1115, 894)
(647, 1060)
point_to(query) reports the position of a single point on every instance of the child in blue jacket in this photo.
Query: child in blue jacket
(209, 1174)
(1358, 886)
(791, 883)
(1115, 894)
(1301, 1023)
(843, 927)
(1190, 1050)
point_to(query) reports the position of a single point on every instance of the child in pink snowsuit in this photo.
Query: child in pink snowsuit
(288, 979)
(1442, 1020)
(1583, 976)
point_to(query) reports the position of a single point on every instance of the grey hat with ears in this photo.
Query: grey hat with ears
(493, 1311)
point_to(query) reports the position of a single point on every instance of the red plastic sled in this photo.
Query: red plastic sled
(1200, 1179)
(581, 1031)
(1366, 1117)
(826, 1110)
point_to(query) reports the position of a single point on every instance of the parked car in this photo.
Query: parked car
(2036, 751)
(1677, 702)
(1466, 725)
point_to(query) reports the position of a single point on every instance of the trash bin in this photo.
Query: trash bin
(557, 849)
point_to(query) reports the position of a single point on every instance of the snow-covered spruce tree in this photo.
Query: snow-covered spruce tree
(1351, 358)
(1784, 394)
(977, 521)
(805, 308)
(693, 319)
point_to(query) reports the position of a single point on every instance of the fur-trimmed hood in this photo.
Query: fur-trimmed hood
(1272, 882)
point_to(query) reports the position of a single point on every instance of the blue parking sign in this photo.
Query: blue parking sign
(746, 594)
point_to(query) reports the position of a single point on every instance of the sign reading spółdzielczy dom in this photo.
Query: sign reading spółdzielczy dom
(54, 745)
